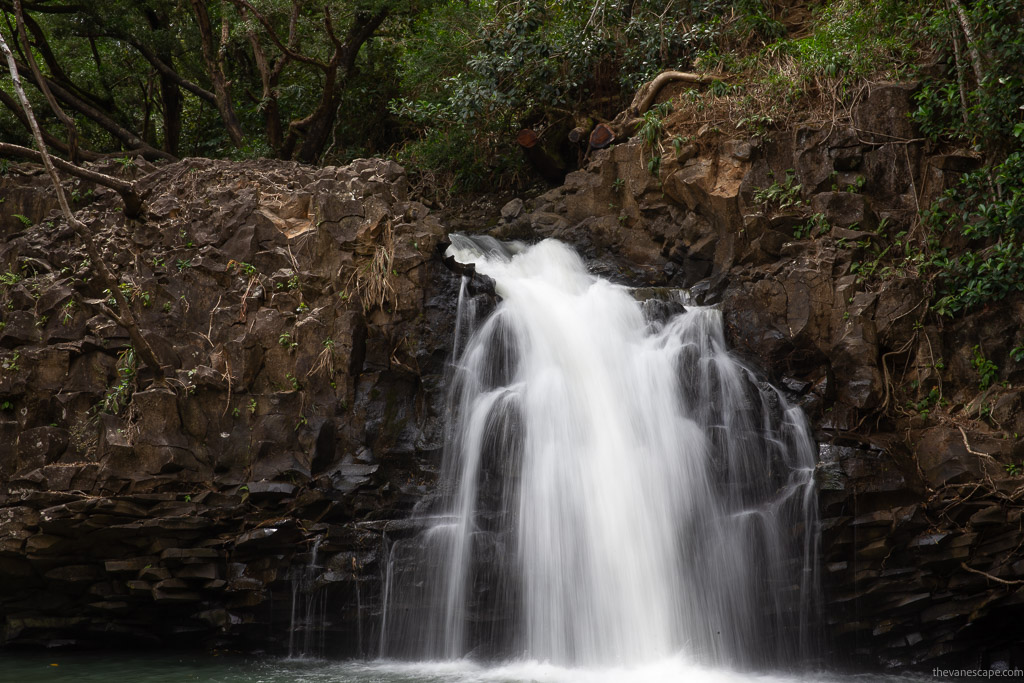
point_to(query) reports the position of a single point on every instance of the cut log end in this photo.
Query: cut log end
(602, 136)
(527, 138)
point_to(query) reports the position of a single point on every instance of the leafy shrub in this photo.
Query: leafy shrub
(780, 196)
(985, 211)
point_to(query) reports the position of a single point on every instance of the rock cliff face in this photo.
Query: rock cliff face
(921, 494)
(305, 323)
(307, 319)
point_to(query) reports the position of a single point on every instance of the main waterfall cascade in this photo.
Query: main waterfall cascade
(616, 487)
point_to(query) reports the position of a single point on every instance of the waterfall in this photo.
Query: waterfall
(617, 488)
(307, 630)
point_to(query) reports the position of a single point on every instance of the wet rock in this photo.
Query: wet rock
(512, 209)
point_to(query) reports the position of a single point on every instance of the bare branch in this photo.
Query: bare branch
(130, 139)
(69, 125)
(51, 140)
(125, 317)
(644, 101)
(166, 70)
(972, 570)
(132, 201)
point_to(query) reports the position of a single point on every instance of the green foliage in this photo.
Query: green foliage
(853, 39)
(987, 371)
(25, 220)
(285, 340)
(487, 71)
(119, 395)
(242, 267)
(10, 363)
(928, 402)
(985, 212)
(9, 278)
(816, 223)
(651, 129)
(756, 123)
(289, 284)
(975, 248)
(990, 110)
(780, 196)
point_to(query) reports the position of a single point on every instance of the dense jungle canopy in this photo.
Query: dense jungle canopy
(444, 86)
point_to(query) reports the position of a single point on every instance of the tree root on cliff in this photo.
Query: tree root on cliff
(1014, 582)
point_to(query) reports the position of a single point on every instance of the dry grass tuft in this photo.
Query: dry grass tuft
(371, 278)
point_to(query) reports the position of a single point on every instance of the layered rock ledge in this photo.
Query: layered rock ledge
(307, 320)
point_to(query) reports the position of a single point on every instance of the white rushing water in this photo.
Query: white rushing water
(618, 490)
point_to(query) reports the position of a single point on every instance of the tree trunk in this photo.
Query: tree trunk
(215, 66)
(316, 129)
(268, 79)
(972, 44)
(170, 93)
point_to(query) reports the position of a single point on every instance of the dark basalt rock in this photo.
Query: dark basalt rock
(175, 520)
(305, 419)
(916, 509)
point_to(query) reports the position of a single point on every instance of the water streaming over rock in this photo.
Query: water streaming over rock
(616, 488)
(307, 630)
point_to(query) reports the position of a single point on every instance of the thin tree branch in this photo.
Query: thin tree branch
(989, 576)
(69, 125)
(52, 140)
(132, 201)
(130, 139)
(290, 51)
(124, 317)
(972, 43)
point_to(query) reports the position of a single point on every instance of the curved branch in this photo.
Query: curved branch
(166, 70)
(37, 32)
(645, 97)
(69, 124)
(128, 138)
(359, 33)
(53, 141)
(132, 200)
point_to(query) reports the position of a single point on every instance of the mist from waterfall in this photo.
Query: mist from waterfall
(616, 489)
